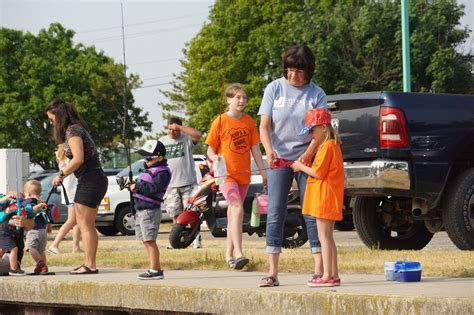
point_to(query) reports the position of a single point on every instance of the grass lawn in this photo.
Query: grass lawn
(125, 252)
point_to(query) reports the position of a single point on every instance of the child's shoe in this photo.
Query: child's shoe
(44, 270)
(315, 276)
(39, 266)
(16, 272)
(337, 281)
(149, 275)
(320, 282)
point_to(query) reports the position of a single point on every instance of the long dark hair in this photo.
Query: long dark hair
(299, 57)
(65, 115)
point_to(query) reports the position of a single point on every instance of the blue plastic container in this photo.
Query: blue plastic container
(407, 271)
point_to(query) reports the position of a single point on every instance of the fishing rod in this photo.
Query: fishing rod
(126, 140)
(18, 196)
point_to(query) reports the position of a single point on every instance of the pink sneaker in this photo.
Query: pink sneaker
(320, 282)
(337, 281)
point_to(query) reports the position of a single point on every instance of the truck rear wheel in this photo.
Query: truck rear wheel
(370, 219)
(458, 211)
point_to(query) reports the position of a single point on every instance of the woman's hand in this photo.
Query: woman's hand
(271, 157)
(57, 180)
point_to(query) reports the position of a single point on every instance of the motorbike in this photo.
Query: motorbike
(207, 204)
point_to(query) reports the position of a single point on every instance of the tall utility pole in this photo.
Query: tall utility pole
(125, 114)
(406, 45)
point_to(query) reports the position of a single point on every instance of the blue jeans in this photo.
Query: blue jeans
(279, 185)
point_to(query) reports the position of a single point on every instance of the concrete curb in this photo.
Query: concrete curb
(159, 296)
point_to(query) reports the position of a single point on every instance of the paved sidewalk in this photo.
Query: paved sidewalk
(212, 291)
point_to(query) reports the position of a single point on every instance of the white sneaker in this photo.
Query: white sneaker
(197, 242)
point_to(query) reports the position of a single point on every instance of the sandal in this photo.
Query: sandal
(87, 271)
(231, 263)
(268, 282)
(77, 268)
(241, 262)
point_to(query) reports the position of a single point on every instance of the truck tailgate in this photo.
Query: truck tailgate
(358, 121)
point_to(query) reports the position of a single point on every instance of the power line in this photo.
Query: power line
(138, 24)
(151, 85)
(140, 34)
(153, 61)
(158, 77)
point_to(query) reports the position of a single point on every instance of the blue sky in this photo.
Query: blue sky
(156, 32)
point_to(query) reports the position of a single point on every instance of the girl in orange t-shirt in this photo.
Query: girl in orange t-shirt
(324, 193)
(234, 135)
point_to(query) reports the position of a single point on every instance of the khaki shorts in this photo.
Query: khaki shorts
(147, 224)
(176, 199)
(36, 239)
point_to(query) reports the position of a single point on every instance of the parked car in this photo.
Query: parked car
(114, 214)
(46, 178)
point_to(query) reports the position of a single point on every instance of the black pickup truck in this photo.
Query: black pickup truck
(409, 166)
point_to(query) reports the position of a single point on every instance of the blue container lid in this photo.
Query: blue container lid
(407, 266)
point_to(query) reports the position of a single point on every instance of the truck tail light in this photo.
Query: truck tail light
(393, 128)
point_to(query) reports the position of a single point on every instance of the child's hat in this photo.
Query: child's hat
(152, 148)
(315, 117)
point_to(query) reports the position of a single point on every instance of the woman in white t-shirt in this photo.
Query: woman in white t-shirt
(70, 185)
(282, 114)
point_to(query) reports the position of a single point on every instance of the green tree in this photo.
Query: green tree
(357, 44)
(36, 69)
(242, 43)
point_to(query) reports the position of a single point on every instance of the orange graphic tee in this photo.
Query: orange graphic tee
(323, 198)
(237, 136)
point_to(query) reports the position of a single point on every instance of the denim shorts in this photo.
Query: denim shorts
(147, 224)
(279, 183)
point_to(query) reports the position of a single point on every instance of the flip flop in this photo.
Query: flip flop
(51, 251)
(231, 263)
(241, 262)
(268, 282)
(87, 271)
(77, 268)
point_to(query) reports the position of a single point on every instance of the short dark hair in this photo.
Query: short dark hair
(175, 120)
(299, 57)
